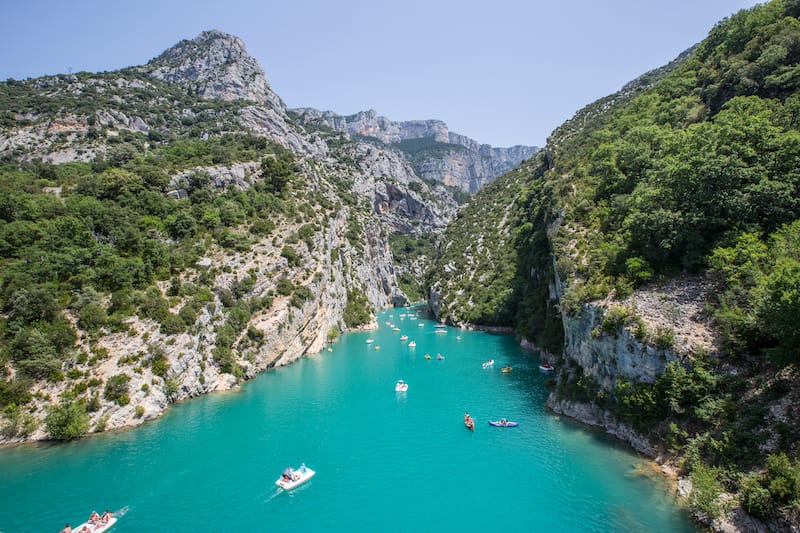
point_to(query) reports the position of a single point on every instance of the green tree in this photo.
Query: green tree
(67, 421)
(278, 172)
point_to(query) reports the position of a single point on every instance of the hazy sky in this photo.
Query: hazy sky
(501, 72)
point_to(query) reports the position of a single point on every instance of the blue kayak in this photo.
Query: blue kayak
(501, 424)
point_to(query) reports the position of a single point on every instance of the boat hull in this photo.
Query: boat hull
(499, 424)
(99, 528)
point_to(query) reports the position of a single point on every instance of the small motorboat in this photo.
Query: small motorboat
(420, 325)
(469, 422)
(547, 367)
(412, 344)
(404, 338)
(503, 423)
(506, 369)
(293, 478)
(488, 363)
(401, 386)
(370, 341)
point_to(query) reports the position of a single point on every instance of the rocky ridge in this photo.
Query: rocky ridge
(441, 155)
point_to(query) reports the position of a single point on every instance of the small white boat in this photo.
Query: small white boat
(401, 386)
(370, 341)
(404, 338)
(420, 325)
(99, 525)
(488, 363)
(412, 344)
(293, 478)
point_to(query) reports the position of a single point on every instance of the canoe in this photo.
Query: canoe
(297, 477)
(470, 423)
(501, 424)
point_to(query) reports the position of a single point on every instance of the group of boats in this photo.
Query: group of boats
(502, 423)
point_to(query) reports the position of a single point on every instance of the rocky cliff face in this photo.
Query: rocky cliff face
(440, 155)
(215, 65)
(353, 193)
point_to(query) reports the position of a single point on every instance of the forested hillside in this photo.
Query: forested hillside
(168, 230)
(687, 179)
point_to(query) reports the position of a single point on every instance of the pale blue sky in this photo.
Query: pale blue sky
(502, 72)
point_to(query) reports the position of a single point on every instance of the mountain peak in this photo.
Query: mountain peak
(215, 64)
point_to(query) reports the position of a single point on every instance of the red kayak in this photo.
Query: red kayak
(469, 422)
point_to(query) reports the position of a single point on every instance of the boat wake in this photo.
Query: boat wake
(121, 512)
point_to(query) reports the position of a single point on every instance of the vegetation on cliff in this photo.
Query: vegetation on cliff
(694, 169)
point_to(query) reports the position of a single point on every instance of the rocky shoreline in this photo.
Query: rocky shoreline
(735, 521)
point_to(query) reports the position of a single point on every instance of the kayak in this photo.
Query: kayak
(296, 477)
(488, 363)
(470, 423)
(501, 424)
(547, 367)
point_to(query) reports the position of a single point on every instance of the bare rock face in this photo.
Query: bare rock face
(674, 308)
(215, 65)
(439, 154)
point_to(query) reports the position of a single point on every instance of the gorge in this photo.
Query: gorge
(173, 229)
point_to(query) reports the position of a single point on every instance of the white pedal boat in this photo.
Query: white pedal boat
(293, 478)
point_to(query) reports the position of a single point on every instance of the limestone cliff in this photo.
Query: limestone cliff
(434, 151)
(215, 65)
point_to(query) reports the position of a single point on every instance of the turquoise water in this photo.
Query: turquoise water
(385, 461)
